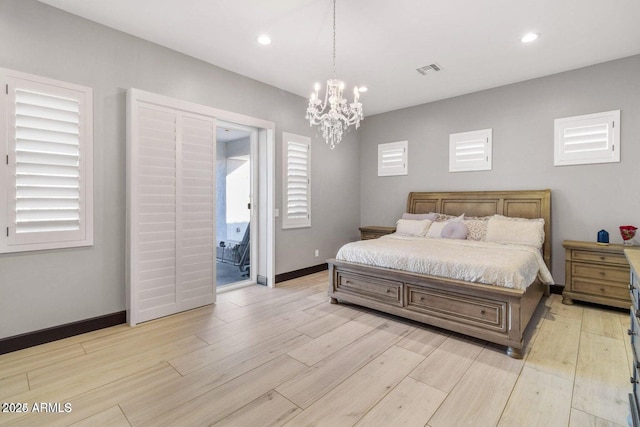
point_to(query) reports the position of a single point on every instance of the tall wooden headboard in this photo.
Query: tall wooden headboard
(520, 203)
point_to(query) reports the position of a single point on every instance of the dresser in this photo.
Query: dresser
(596, 273)
(633, 256)
(375, 231)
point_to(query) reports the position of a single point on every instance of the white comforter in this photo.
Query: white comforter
(509, 266)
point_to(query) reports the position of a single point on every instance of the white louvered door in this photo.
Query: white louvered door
(171, 209)
(197, 212)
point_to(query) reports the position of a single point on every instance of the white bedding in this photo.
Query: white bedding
(506, 265)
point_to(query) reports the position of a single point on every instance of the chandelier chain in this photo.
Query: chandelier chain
(334, 39)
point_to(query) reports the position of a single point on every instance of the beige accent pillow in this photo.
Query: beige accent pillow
(477, 228)
(520, 231)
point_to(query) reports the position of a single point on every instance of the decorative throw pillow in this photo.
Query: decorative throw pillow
(454, 230)
(521, 231)
(408, 227)
(430, 216)
(477, 228)
(444, 217)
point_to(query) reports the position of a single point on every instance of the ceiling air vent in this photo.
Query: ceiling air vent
(429, 68)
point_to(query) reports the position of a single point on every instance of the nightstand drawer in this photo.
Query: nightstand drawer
(635, 339)
(635, 292)
(593, 271)
(601, 289)
(635, 381)
(607, 258)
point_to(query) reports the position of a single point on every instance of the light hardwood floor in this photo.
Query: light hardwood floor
(285, 356)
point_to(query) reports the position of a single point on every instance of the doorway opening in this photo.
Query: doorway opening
(235, 230)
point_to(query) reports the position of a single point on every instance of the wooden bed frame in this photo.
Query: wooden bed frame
(495, 314)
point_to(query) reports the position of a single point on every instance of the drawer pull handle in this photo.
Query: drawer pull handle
(633, 380)
(602, 257)
(630, 332)
(602, 290)
(388, 291)
(602, 273)
(482, 312)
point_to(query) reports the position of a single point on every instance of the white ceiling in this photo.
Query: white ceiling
(380, 43)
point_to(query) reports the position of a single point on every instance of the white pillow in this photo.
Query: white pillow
(410, 227)
(436, 228)
(520, 231)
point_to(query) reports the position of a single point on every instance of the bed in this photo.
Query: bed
(493, 313)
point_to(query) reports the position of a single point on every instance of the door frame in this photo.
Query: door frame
(263, 194)
(254, 229)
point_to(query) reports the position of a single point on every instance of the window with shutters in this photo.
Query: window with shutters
(46, 186)
(392, 158)
(592, 138)
(297, 181)
(470, 151)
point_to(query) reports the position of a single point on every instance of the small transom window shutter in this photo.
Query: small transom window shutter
(393, 158)
(470, 151)
(49, 152)
(297, 181)
(592, 138)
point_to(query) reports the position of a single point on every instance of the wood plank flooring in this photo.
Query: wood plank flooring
(286, 357)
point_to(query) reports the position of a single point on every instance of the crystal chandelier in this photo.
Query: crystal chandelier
(334, 114)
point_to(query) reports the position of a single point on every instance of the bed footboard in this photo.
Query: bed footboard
(486, 312)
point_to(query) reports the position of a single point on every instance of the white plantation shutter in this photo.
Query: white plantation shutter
(592, 138)
(198, 198)
(393, 158)
(170, 206)
(297, 181)
(470, 151)
(49, 164)
(154, 178)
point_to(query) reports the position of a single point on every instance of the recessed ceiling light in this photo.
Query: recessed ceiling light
(362, 88)
(264, 39)
(529, 37)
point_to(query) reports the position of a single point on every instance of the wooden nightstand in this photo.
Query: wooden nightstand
(374, 231)
(596, 273)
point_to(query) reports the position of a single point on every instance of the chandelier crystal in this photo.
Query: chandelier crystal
(334, 114)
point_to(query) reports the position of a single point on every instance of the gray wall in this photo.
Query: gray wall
(332, 201)
(48, 288)
(585, 198)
